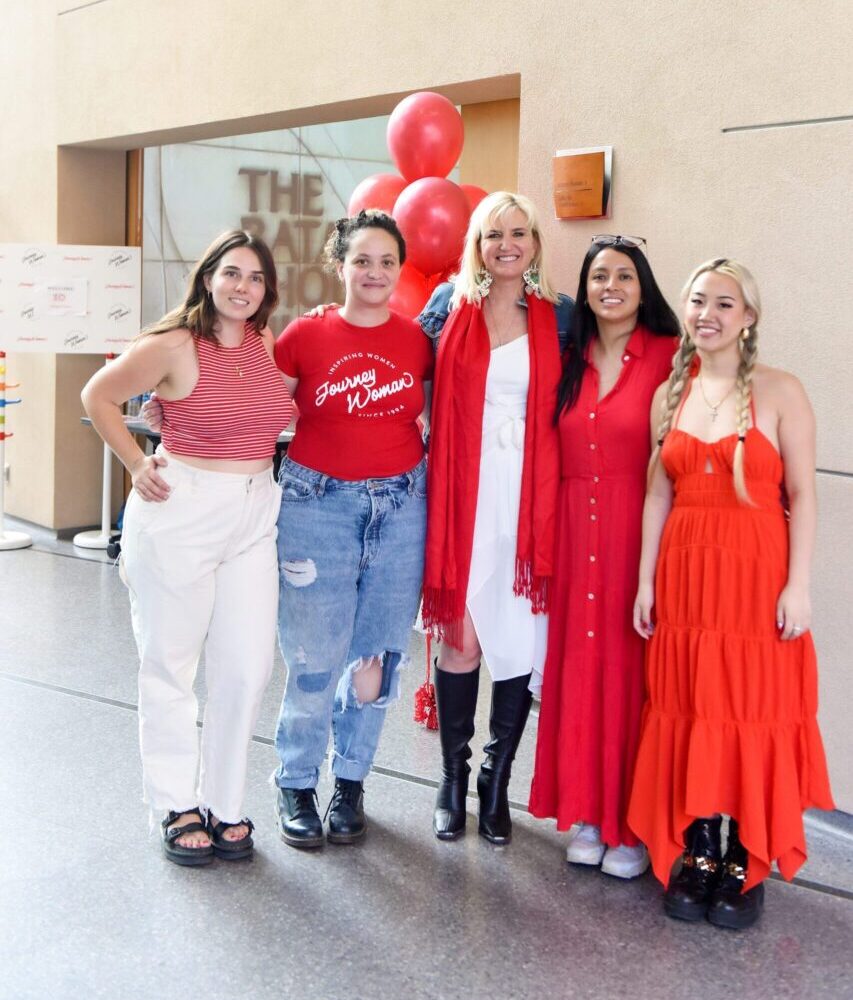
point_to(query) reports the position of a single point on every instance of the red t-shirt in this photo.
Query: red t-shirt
(360, 393)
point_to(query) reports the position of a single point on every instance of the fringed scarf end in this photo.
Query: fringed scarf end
(537, 589)
(441, 617)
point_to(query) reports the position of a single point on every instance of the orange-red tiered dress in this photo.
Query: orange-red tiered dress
(729, 725)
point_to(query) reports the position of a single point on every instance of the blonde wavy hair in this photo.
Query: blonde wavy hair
(491, 209)
(681, 364)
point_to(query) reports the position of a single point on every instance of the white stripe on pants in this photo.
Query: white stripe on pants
(202, 572)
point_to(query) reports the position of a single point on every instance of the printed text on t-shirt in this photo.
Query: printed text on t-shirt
(361, 387)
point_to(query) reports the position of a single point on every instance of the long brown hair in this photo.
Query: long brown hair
(680, 376)
(197, 312)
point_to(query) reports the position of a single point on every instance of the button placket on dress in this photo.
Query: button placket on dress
(592, 497)
(593, 419)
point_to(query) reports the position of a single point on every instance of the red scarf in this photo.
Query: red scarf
(456, 430)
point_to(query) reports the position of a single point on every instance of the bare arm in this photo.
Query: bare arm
(146, 364)
(797, 447)
(427, 405)
(655, 512)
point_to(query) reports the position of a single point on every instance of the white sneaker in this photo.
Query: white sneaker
(585, 847)
(625, 862)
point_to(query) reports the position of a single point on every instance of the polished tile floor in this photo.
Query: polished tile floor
(89, 908)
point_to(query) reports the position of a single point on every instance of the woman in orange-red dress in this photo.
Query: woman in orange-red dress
(729, 726)
(622, 339)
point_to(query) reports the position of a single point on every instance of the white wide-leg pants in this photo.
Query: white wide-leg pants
(202, 572)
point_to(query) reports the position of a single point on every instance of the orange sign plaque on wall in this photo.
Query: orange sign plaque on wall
(581, 180)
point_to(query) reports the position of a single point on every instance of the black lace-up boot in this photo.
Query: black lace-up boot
(298, 820)
(730, 905)
(456, 701)
(510, 707)
(346, 812)
(689, 892)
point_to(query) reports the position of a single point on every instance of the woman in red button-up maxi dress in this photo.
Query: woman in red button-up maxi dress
(621, 348)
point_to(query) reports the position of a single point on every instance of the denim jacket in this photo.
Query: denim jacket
(434, 314)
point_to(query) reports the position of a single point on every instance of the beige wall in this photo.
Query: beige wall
(490, 155)
(659, 80)
(28, 212)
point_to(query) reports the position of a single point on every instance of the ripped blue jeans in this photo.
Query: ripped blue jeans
(350, 557)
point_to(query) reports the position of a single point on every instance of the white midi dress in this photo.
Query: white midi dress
(512, 638)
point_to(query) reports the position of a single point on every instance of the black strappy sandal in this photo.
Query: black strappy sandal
(177, 853)
(231, 850)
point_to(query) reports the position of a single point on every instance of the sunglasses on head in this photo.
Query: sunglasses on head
(606, 240)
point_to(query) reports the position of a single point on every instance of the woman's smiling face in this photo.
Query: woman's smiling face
(508, 246)
(715, 312)
(613, 287)
(371, 268)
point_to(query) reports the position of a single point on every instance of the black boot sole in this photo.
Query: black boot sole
(733, 922)
(691, 912)
(345, 838)
(497, 839)
(448, 834)
(306, 843)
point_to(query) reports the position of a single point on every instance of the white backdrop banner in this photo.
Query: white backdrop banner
(69, 299)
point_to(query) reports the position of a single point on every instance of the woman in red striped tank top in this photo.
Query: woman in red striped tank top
(199, 539)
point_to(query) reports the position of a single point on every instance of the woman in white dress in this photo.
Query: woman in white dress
(493, 476)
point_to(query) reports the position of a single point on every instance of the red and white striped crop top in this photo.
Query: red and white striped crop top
(238, 407)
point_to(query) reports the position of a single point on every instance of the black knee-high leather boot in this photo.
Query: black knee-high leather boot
(689, 892)
(456, 702)
(730, 905)
(510, 707)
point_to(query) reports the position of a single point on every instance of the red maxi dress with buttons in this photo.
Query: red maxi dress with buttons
(593, 686)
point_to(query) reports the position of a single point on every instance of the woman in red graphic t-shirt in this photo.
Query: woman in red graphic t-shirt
(351, 528)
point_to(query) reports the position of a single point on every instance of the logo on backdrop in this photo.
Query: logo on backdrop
(74, 339)
(118, 259)
(33, 257)
(118, 312)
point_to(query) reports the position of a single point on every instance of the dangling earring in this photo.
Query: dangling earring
(483, 281)
(531, 281)
(744, 335)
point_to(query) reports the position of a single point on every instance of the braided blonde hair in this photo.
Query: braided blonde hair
(679, 377)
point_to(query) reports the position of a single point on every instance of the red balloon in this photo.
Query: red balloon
(411, 293)
(377, 191)
(425, 136)
(438, 279)
(432, 214)
(474, 194)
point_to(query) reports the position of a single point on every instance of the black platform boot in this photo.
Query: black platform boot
(510, 707)
(299, 823)
(346, 812)
(730, 905)
(689, 893)
(456, 701)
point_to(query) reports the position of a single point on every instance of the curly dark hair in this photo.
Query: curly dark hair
(341, 236)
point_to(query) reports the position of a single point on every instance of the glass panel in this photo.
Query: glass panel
(288, 185)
